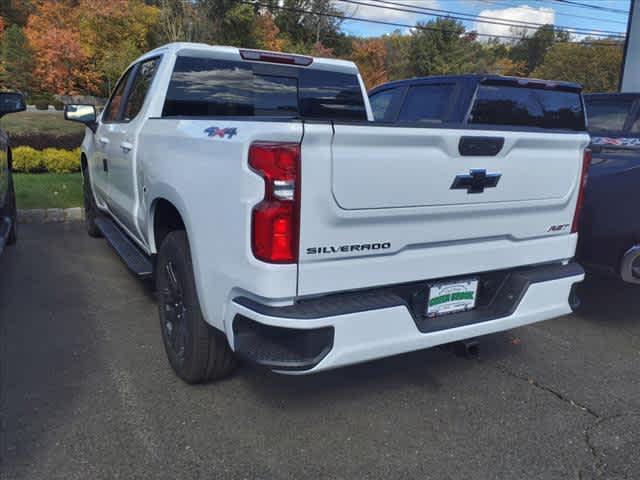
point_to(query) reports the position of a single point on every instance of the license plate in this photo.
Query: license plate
(452, 297)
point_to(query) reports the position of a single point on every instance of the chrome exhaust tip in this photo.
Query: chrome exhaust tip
(628, 271)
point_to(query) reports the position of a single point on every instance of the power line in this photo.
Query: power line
(405, 25)
(588, 5)
(558, 13)
(477, 18)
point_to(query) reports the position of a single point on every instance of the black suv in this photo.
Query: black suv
(10, 102)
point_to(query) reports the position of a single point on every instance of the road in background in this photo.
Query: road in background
(87, 392)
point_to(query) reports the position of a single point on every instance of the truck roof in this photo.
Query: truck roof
(176, 48)
(484, 78)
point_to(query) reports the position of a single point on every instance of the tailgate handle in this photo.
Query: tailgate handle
(480, 146)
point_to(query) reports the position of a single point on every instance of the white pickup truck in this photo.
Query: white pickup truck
(282, 225)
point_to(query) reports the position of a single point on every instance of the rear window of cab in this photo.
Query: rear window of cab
(204, 87)
(523, 106)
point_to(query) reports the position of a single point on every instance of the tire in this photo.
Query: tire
(12, 212)
(196, 351)
(90, 208)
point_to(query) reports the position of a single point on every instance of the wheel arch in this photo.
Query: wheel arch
(165, 217)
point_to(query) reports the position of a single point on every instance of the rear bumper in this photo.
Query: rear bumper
(338, 330)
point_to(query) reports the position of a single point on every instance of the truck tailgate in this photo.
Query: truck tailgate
(382, 167)
(377, 206)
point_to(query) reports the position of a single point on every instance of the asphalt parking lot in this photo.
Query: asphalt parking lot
(87, 392)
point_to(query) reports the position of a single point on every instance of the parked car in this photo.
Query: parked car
(10, 102)
(609, 241)
(284, 226)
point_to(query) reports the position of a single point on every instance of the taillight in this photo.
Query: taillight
(275, 220)
(586, 161)
(274, 57)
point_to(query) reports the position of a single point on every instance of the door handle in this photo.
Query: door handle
(126, 147)
(480, 146)
(105, 165)
(103, 140)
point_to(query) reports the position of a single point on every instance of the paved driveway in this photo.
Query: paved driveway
(87, 392)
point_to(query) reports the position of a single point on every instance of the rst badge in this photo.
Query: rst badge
(221, 132)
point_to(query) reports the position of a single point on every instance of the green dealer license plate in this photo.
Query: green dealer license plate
(452, 297)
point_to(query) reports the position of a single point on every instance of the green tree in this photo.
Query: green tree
(441, 47)
(397, 59)
(17, 60)
(595, 67)
(226, 22)
(302, 28)
(530, 50)
(178, 22)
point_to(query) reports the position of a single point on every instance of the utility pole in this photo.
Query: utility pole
(630, 76)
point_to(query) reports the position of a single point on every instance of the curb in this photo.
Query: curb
(51, 215)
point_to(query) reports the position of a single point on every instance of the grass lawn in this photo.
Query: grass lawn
(42, 121)
(48, 190)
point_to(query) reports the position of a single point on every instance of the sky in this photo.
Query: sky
(557, 12)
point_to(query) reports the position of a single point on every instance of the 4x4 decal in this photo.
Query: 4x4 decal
(221, 132)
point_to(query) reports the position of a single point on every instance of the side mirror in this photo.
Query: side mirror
(83, 114)
(11, 102)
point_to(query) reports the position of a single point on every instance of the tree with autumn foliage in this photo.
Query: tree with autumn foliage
(370, 56)
(62, 65)
(83, 46)
(268, 33)
(15, 12)
(113, 34)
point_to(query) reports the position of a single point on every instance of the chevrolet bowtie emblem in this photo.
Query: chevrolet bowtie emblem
(476, 181)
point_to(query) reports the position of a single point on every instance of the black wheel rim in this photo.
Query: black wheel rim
(175, 312)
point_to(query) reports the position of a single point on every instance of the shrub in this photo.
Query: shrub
(27, 160)
(41, 141)
(58, 105)
(61, 161)
(54, 160)
(42, 105)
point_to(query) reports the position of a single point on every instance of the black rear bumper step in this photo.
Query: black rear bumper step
(134, 258)
(278, 348)
(497, 284)
(5, 229)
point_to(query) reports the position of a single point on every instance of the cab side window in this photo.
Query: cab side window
(112, 110)
(427, 103)
(140, 87)
(380, 103)
(608, 115)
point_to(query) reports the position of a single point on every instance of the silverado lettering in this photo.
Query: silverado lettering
(348, 248)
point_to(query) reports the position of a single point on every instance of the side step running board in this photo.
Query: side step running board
(5, 228)
(134, 258)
